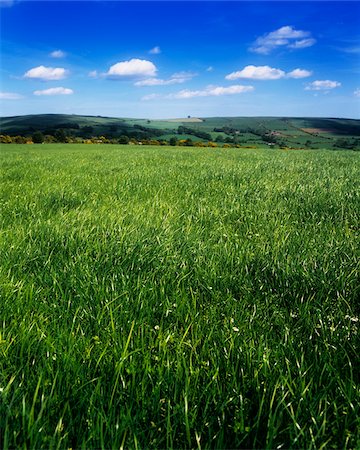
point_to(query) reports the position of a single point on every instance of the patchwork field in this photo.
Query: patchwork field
(166, 297)
(294, 133)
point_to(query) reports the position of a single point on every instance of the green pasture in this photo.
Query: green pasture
(288, 131)
(174, 297)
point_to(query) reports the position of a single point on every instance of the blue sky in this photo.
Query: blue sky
(174, 59)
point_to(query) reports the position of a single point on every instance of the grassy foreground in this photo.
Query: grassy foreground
(179, 298)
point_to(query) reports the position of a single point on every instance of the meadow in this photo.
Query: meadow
(166, 297)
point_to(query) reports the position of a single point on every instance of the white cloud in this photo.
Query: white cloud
(46, 73)
(357, 92)
(55, 91)
(183, 75)
(154, 82)
(287, 32)
(211, 91)
(155, 51)
(10, 96)
(320, 85)
(257, 73)
(132, 68)
(353, 50)
(303, 43)
(266, 73)
(286, 36)
(93, 74)
(176, 78)
(210, 69)
(299, 73)
(58, 54)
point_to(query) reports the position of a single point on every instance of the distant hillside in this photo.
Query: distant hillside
(282, 131)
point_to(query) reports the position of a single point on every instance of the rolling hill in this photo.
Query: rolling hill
(283, 131)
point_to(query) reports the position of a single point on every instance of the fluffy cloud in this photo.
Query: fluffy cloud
(286, 36)
(299, 73)
(10, 96)
(55, 91)
(58, 54)
(266, 73)
(155, 51)
(132, 68)
(212, 91)
(357, 92)
(46, 73)
(93, 74)
(257, 73)
(321, 85)
(176, 78)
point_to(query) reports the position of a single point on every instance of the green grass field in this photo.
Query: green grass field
(163, 297)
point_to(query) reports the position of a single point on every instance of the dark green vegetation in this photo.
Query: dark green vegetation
(243, 131)
(179, 298)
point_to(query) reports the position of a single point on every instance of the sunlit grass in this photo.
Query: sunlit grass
(179, 298)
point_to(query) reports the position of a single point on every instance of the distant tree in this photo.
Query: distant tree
(344, 143)
(173, 141)
(60, 135)
(38, 137)
(123, 139)
(19, 139)
(48, 138)
(5, 139)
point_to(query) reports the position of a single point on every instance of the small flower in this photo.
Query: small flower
(236, 329)
(352, 319)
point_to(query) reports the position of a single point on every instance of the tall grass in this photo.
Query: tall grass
(179, 298)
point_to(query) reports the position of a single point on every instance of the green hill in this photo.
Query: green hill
(283, 131)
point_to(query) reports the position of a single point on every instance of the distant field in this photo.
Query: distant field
(188, 120)
(167, 297)
(290, 132)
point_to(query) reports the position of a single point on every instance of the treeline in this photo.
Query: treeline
(194, 132)
(39, 138)
(61, 131)
(271, 139)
